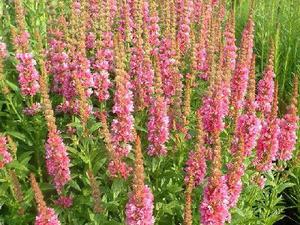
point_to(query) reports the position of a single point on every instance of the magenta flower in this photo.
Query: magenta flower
(230, 48)
(167, 61)
(47, 217)
(249, 126)
(239, 81)
(58, 64)
(125, 23)
(118, 168)
(214, 206)
(3, 50)
(5, 156)
(201, 64)
(288, 136)
(213, 112)
(265, 91)
(183, 35)
(140, 212)
(28, 75)
(101, 76)
(196, 166)
(122, 126)
(90, 40)
(57, 160)
(267, 145)
(32, 110)
(158, 127)
(154, 31)
(64, 201)
(234, 183)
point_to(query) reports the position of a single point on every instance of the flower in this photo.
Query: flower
(28, 75)
(240, 77)
(158, 123)
(288, 127)
(196, 163)
(267, 144)
(139, 208)
(5, 156)
(118, 168)
(3, 50)
(265, 88)
(214, 205)
(64, 201)
(32, 110)
(46, 216)
(57, 160)
(183, 35)
(140, 212)
(250, 127)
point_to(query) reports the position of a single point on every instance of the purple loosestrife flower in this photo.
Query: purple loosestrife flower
(5, 156)
(183, 35)
(240, 77)
(248, 123)
(47, 217)
(267, 144)
(3, 50)
(101, 75)
(158, 123)
(236, 171)
(196, 163)
(212, 110)
(123, 125)
(139, 208)
(64, 201)
(57, 160)
(265, 87)
(250, 127)
(214, 205)
(28, 75)
(153, 28)
(118, 168)
(167, 61)
(32, 110)
(288, 128)
(58, 61)
(140, 212)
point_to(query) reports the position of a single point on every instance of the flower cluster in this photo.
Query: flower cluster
(265, 88)
(214, 205)
(288, 128)
(28, 75)
(5, 156)
(32, 110)
(140, 212)
(57, 160)
(46, 216)
(158, 123)
(139, 208)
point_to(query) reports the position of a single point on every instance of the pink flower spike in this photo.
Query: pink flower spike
(47, 217)
(57, 160)
(64, 201)
(140, 212)
(5, 156)
(28, 75)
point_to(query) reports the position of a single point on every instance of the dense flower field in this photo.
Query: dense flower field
(144, 112)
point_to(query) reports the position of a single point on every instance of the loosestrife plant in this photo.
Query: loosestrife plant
(141, 112)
